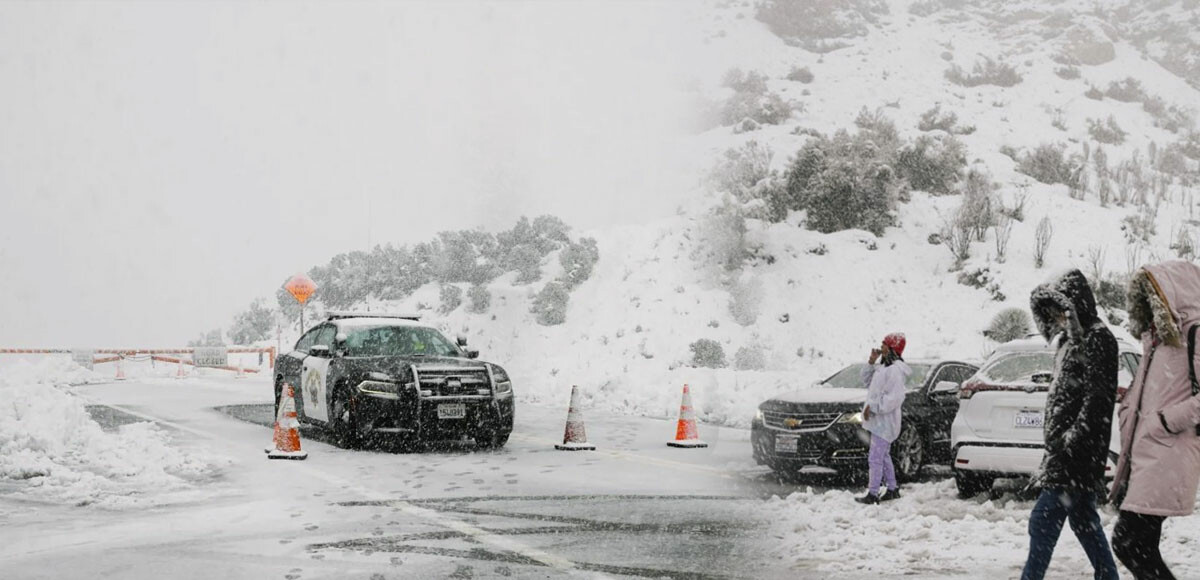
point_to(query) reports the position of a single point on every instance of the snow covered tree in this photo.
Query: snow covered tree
(451, 298)
(480, 299)
(550, 305)
(708, 353)
(253, 324)
(578, 259)
(1008, 325)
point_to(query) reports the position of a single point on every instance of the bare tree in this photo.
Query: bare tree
(1041, 240)
(1004, 225)
(1096, 257)
(956, 234)
(1133, 258)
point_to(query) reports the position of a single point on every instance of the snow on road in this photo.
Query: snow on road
(632, 508)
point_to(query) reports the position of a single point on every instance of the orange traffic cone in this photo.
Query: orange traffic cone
(180, 373)
(686, 434)
(120, 370)
(575, 437)
(287, 429)
(240, 373)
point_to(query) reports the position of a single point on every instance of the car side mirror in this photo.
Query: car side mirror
(945, 387)
(472, 353)
(320, 351)
(461, 340)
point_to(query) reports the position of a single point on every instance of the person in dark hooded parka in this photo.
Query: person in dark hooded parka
(1159, 469)
(1078, 424)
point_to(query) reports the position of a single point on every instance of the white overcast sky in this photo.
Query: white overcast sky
(162, 164)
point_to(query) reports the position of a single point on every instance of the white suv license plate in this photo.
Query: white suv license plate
(785, 444)
(452, 411)
(1029, 419)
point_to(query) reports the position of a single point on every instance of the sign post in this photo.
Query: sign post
(301, 287)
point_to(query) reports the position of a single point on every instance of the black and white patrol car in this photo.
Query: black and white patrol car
(369, 375)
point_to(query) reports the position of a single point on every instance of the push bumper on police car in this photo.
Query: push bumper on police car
(437, 403)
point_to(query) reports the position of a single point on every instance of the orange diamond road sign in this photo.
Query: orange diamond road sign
(300, 287)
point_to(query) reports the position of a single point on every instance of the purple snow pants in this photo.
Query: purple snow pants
(880, 462)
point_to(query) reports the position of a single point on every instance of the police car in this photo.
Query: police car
(370, 375)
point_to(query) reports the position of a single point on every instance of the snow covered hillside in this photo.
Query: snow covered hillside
(1069, 93)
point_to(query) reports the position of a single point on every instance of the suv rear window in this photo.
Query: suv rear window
(851, 377)
(1018, 367)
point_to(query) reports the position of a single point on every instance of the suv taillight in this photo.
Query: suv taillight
(969, 388)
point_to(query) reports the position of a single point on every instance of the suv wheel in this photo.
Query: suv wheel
(970, 483)
(909, 456)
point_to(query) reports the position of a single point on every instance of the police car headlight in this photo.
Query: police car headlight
(501, 380)
(758, 416)
(856, 418)
(379, 388)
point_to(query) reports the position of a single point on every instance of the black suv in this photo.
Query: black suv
(371, 374)
(822, 426)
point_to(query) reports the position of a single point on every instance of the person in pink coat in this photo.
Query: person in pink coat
(1159, 468)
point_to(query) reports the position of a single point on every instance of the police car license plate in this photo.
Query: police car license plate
(452, 411)
(1029, 419)
(784, 444)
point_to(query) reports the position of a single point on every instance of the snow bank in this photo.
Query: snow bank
(52, 450)
(929, 531)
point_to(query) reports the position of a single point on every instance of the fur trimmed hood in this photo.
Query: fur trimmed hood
(1069, 292)
(1165, 297)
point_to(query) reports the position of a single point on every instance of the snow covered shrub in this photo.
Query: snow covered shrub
(752, 100)
(708, 353)
(578, 259)
(742, 168)
(845, 182)
(1107, 132)
(750, 358)
(745, 301)
(935, 120)
(550, 305)
(527, 262)
(989, 72)
(1110, 293)
(1004, 224)
(796, 22)
(1041, 241)
(210, 338)
(724, 241)
(1008, 325)
(1184, 244)
(979, 203)
(1094, 93)
(801, 75)
(450, 297)
(1050, 164)
(1140, 226)
(932, 163)
(480, 298)
(1126, 91)
(982, 278)
(1067, 72)
(878, 128)
(254, 324)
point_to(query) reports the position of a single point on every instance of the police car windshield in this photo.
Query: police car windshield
(398, 341)
(851, 378)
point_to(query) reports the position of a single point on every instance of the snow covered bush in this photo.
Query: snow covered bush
(724, 240)
(745, 300)
(450, 297)
(1041, 241)
(979, 204)
(1126, 91)
(480, 298)
(800, 75)
(796, 22)
(750, 358)
(210, 338)
(845, 182)
(1050, 164)
(752, 100)
(932, 163)
(1108, 132)
(1008, 325)
(550, 305)
(989, 72)
(935, 120)
(578, 259)
(708, 353)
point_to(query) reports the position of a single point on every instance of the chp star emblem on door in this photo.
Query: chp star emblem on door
(312, 386)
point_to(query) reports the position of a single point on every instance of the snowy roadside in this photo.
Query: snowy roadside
(930, 532)
(53, 451)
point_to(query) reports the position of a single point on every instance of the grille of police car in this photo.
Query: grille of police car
(444, 382)
(799, 421)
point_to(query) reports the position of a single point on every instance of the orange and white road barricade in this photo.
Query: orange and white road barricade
(686, 434)
(287, 429)
(575, 437)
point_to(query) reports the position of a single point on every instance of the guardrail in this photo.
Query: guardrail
(122, 353)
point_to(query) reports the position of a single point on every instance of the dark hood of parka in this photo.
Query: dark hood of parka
(1071, 292)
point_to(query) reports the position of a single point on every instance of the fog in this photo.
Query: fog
(162, 164)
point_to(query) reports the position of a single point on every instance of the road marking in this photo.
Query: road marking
(438, 518)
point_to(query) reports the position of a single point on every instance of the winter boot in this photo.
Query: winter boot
(869, 499)
(890, 495)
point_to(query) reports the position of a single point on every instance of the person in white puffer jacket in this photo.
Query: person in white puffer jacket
(881, 414)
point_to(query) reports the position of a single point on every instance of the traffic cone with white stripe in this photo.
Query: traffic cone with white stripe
(240, 373)
(180, 373)
(686, 434)
(287, 429)
(575, 437)
(120, 369)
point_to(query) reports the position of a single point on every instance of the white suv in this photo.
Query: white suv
(998, 429)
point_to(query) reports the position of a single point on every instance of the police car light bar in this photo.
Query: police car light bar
(340, 315)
